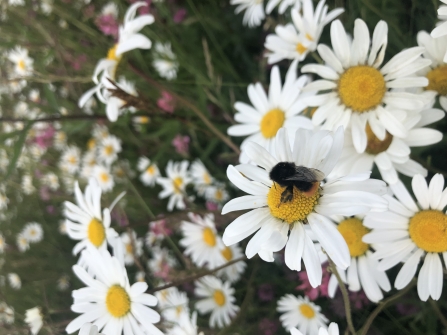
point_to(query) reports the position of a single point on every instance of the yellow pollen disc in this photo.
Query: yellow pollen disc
(352, 231)
(108, 150)
(307, 311)
(428, 230)
(374, 145)
(361, 88)
(96, 232)
(91, 144)
(117, 301)
(437, 80)
(150, 170)
(32, 232)
(218, 195)
(219, 297)
(178, 310)
(129, 248)
(206, 178)
(104, 177)
(295, 210)
(143, 119)
(271, 122)
(227, 253)
(111, 54)
(209, 237)
(178, 182)
(72, 160)
(300, 48)
(21, 64)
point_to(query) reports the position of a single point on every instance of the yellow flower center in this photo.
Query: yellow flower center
(437, 80)
(219, 297)
(108, 150)
(72, 160)
(21, 64)
(272, 122)
(178, 182)
(361, 88)
(374, 145)
(129, 248)
(209, 237)
(206, 178)
(219, 195)
(91, 144)
(143, 119)
(178, 310)
(96, 232)
(104, 177)
(117, 301)
(227, 254)
(150, 170)
(300, 48)
(428, 230)
(111, 54)
(295, 210)
(352, 231)
(307, 311)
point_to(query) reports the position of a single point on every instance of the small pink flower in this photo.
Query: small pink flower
(159, 228)
(179, 15)
(311, 292)
(108, 24)
(211, 206)
(358, 299)
(164, 272)
(268, 327)
(45, 137)
(78, 62)
(266, 292)
(166, 102)
(44, 193)
(181, 144)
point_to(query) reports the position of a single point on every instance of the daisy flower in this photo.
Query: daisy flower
(165, 61)
(60, 140)
(129, 243)
(51, 180)
(201, 241)
(14, 281)
(6, 313)
(33, 232)
(27, 185)
(392, 154)
(441, 28)
(23, 64)
(108, 301)
(283, 5)
(186, 326)
(22, 242)
(89, 329)
(410, 231)
(149, 172)
(233, 272)
(175, 306)
(103, 177)
(217, 298)
(70, 159)
(301, 313)
(89, 161)
(332, 330)
(63, 283)
(201, 178)
(175, 183)
(217, 193)
(254, 11)
(270, 113)
(161, 262)
(295, 41)
(85, 222)
(34, 319)
(360, 91)
(273, 218)
(109, 149)
(436, 73)
(114, 105)
(362, 272)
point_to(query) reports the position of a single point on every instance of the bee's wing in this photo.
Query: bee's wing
(306, 174)
(319, 176)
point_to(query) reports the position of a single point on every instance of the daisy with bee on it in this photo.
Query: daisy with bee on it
(287, 193)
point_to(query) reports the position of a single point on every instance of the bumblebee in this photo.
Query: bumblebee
(288, 175)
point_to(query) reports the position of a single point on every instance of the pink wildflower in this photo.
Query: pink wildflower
(166, 102)
(159, 228)
(309, 291)
(45, 137)
(181, 144)
(211, 206)
(108, 24)
(179, 15)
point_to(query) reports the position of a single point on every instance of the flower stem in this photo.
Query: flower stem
(438, 312)
(345, 295)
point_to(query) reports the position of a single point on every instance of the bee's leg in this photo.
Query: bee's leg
(287, 194)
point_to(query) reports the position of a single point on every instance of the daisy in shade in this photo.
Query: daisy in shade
(410, 231)
(441, 29)
(34, 319)
(233, 272)
(436, 73)
(269, 113)
(392, 154)
(273, 218)
(165, 61)
(109, 149)
(22, 242)
(217, 194)
(33, 232)
(70, 160)
(201, 178)
(14, 281)
(218, 298)
(176, 306)
(149, 172)
(85, 220)
(23, 63)
(332, 330)
(359, 91)
(186, 326)
(201, 241)
(175, 183)
(132, 246)
(254, 11)
(108, 301)
(283, 5)
(103, 177)
(362, 272)
(295, 41)
(301, 313)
